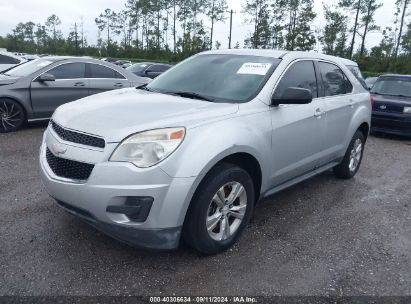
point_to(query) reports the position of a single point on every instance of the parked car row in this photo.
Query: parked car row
(142, 69)
(148, 69)
(33, 90)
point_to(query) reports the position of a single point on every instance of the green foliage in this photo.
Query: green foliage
(383, 65)
(280, 24)
(335, 32)
(172, 30)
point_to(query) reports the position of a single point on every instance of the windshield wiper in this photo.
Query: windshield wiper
(191, 95)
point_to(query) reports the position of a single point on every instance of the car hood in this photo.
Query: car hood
(5, 80)
(117, 114)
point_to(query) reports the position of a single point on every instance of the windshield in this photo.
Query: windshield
(28, 68)
(394, 86)
(220, 78)
(138, 67)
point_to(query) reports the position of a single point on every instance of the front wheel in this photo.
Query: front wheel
(353, 157)
(220, 209)
(11, 116)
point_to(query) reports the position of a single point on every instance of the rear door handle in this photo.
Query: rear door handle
(351, 103)
(79, 84)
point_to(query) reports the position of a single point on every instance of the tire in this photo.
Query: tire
(222, 179)
(351, 163)
(12, 115)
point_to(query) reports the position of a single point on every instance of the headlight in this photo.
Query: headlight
(407, 109)
(148, 148)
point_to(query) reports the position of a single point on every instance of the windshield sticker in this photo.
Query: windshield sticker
(254, 68)
(44, 63)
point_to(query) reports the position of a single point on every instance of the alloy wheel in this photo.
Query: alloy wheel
(10, 116)
(355, 155)
(226, 211)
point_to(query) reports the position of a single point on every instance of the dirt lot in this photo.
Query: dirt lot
(322, 237)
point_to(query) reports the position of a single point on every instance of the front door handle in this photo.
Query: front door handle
(79, 84)
(351, 104)
(118, 85)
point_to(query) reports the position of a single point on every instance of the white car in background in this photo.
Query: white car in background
(9, 60)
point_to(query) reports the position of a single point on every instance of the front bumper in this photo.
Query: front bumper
(391, 123)
(158, 239)
(112, 184)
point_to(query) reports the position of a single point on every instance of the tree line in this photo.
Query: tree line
(172, 30)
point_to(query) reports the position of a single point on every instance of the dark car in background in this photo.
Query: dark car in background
(391, 95)
(33, 90)
(148, 69)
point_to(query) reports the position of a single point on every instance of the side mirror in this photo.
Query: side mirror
(46, 77)
(293, 95)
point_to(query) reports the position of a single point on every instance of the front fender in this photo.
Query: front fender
(207, 145)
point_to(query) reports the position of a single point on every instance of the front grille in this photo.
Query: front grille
(78, 138)
(68, 168)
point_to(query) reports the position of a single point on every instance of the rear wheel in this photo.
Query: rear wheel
(11, 116)
(352, 159)
(220, 210)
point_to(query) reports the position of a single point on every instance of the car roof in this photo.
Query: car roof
(282, 54)
(59, 58)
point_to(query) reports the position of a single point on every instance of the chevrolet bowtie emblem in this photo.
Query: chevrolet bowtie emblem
(58, 149)
(383, 107)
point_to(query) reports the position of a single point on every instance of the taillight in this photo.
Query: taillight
(372, 101)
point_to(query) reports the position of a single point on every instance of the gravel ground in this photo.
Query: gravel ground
(322, 237)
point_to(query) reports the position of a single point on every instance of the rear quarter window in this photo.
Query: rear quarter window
(335, 82)
(357, 73)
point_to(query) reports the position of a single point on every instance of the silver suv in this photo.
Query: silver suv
(187, 156)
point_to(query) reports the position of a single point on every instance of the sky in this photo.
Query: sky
(71, 11)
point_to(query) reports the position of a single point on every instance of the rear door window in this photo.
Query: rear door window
(334, 81)
(301, 75)
(103, 72)
(69, 71)
(357, 73)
